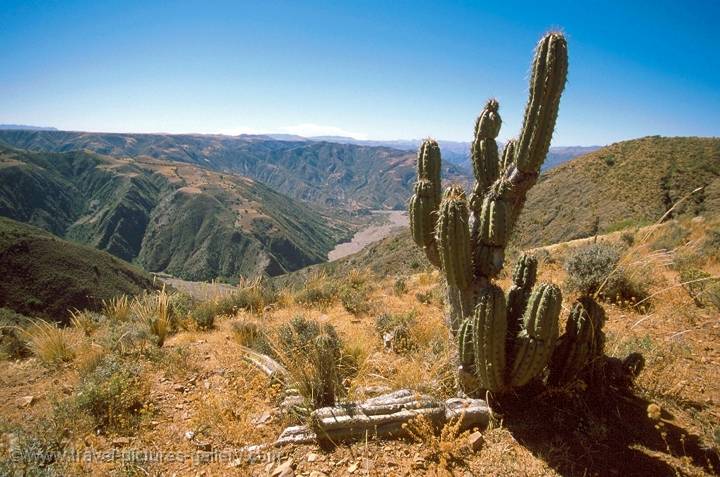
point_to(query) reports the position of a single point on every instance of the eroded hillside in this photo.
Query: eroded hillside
(168, 217)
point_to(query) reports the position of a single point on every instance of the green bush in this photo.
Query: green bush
(400, 286)
(595, 269)
(180, 306)
(128, 338)
(113, 394)
(702, 287)
(355, 300)
(204, 315)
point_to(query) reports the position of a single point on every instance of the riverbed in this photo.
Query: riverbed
(392, 220)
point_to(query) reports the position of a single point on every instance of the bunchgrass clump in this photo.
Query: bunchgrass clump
(153, 312)
(311, 353)
(86, 321)
(50, 344)
(117, 308)
(251, 334)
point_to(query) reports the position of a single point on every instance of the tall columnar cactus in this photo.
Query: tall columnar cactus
(503, 342)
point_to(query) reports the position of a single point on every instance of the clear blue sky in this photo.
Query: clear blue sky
(373, 69)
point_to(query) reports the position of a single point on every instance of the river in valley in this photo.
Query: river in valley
(392, 220)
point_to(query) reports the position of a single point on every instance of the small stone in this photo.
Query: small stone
(352, 468)
(206, 384)
(204, 446)
(654, 411)
(121, 441)
(312, 457)
(284, 470)
(476, 441)
(262, 418)
(317, 473)
(26, 401)
(179, 388)
(189, 435)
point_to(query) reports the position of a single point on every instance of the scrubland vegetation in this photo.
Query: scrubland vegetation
(166, 368)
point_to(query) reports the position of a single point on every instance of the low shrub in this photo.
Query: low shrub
(318, 290)
(595, 269)
(671, 237)
(400, 286)
(702, 287)
(355, 300)
(13, 343)
(129, 338)
(203, 315)
(113, 394)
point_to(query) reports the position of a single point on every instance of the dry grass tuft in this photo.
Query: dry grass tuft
(445, 449)
(117, 308)
(52, 345)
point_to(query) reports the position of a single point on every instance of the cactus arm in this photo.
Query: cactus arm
(489, 328)
(581, 343)
(549, 73)
(453, 237)
(426, 199)
(536, 341)
(508, 155)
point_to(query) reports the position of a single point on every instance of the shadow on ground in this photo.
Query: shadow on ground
(609, 435)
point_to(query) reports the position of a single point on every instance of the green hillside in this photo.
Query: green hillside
(324, 173)
(167, 217)
(45, 276)
(621, 185)
(626, 184)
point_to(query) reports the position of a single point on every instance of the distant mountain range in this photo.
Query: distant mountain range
(165, 216)
(25, 127)
(459, 152)
(330, 175)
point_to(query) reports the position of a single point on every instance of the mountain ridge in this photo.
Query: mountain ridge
(223, 225)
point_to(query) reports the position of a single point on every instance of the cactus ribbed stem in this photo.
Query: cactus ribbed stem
(489, 328)
(453, 236)
(547, 82)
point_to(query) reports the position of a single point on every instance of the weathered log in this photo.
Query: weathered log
(384, 416)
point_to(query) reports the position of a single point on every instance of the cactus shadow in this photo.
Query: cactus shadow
(607, 434)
